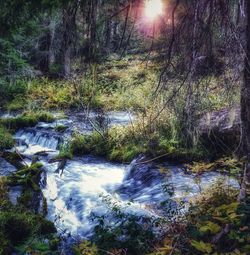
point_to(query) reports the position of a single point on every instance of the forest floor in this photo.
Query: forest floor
(125, 84)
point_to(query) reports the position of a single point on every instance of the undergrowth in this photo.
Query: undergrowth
(154, 137)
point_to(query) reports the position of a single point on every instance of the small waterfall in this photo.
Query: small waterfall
(80, 190)
(45, 139)
(73, 196)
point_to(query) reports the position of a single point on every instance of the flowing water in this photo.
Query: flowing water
(83, 186)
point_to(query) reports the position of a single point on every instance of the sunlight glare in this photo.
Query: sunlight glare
(153, 8)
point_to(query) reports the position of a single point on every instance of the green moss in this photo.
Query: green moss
(131, 152)
(28, 176)
(6, 139)
(28, 119)
(60, 128)
(124, 143)
(44, 206)
(26, 198)
(4, 196)
(125, 154)
(44, 116)
(95, 144)
(40, 246)
(98, 144)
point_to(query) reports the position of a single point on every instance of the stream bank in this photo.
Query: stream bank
(90, 185)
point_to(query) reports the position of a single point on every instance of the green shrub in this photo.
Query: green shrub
(50, 94)
(12, 90)
(98, 144)
(214, 195)
(16, 104)
(78, 144)
(120, 231)
(213, 211)
(94, 143)
(85, 248)
(18, 226)
(228, 165)
(44, 116)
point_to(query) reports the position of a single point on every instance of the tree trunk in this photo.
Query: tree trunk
(91, 42)
(69, 30)
(245, 111)
(46, 53)
(51, 53)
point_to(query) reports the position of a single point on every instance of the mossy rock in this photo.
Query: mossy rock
(60, 128)
(27, 176)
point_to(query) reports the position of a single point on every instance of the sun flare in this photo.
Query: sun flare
(153, 8)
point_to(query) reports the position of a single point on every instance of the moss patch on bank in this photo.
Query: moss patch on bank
(26, 119)
(6, 139)
(123, 143)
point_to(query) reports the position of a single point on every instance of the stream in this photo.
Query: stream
(84, 185)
